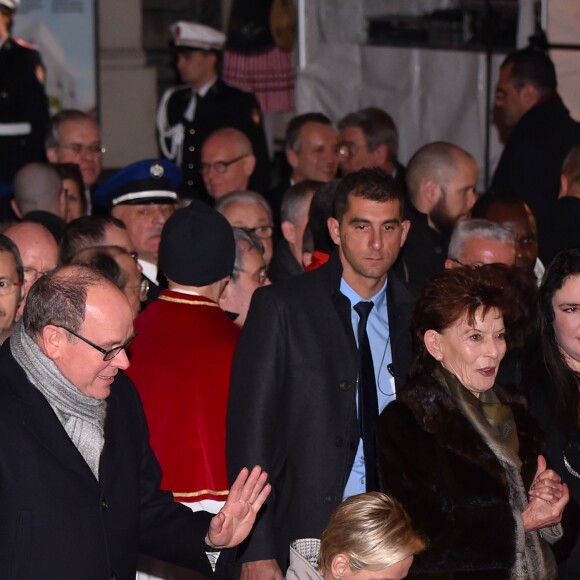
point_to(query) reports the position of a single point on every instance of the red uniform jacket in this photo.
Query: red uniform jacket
(180, 363)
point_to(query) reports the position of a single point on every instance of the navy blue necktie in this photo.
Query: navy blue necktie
(368, 406)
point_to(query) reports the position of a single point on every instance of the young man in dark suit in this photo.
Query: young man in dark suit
(295, 390)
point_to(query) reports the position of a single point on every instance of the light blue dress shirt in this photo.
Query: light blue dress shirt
(378, 333)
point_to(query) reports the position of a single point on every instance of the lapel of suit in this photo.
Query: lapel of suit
(5, 50)
(41, 421)
(340, 302)
(400, 305)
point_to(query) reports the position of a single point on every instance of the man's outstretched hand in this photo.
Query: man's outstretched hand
(232, 524)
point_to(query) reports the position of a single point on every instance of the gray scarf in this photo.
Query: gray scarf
(82, 417)
(495, 424)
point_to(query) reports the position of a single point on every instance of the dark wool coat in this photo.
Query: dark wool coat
(423, 254)
(56, 520)
(543, 408)
(450, 482)
(531, 161)
(283, 265)
(292, 400)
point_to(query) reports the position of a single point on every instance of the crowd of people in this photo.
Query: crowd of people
(396, 353)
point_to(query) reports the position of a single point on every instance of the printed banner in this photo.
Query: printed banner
(65, 33)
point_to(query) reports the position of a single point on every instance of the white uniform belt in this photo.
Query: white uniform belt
(15, 129)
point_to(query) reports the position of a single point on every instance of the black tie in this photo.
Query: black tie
(368, 405)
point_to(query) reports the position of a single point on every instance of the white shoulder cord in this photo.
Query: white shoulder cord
(172, 134)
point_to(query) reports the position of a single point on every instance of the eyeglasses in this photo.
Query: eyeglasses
(31, 275)
(260, 276)
(8, 287)
(472, 266)
(107, 354)
(261, 232)
(143, 289)
(79, 148)
(348, 149)
(218, 166)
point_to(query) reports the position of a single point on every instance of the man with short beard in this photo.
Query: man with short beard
(441, 181)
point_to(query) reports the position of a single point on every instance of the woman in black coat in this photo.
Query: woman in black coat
(553, 385)
(462, 459)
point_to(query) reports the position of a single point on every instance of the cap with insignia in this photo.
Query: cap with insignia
(193, 35)
(147, 181)
(197, 246)
(12, 4)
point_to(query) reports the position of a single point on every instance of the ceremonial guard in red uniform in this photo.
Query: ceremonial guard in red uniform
(181, 358)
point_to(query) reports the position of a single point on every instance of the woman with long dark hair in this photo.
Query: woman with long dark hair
(553, 384)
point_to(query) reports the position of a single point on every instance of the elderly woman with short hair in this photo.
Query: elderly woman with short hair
(463, 459)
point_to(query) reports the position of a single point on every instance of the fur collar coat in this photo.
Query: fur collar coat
(450, 482)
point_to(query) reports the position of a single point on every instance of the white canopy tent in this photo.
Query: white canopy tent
(431, 94)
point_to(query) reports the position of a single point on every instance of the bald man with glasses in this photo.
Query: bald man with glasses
(227, 162)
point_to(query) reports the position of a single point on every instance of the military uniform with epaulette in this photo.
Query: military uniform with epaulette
(23, 107)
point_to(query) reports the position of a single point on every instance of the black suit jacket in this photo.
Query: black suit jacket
(562, 229)
(56, 520)
(292, 400)
(222, 106)
(531, 161)
(283, 265)
(423, 254)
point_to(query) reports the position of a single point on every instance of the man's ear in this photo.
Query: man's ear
(450, 264)
(431, 192)
(334, 229)
(563, 186)
(529, 95)
(51, 155)
(339, 566)
(292, 158)
(249, 164)
(225, 292)
(52, 340)
(288, 231)
(15, 209)
(381, 155)
(405, 227)
(432, 340)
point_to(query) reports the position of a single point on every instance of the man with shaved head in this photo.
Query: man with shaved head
(227, 162)
(441, 181)
(38, 187)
